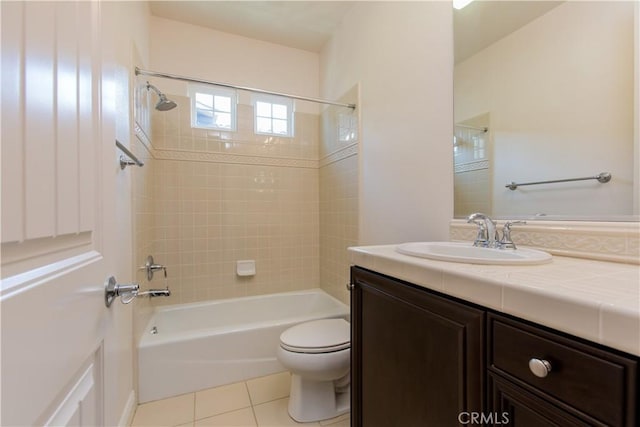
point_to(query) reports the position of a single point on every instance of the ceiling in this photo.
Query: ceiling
(482, 23)
(303, 25)
(308, 25)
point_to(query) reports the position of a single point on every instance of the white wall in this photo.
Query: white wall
(125, 28)
(636, 104)
(560, 95)
(199, 52)
(401, 54)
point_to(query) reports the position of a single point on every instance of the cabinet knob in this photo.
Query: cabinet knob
(350, 286)
(539, 367)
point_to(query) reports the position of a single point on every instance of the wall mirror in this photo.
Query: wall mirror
(546, 91)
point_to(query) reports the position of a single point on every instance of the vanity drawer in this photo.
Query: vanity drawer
(596, 382)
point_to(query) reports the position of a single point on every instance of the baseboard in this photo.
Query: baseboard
(129, 410)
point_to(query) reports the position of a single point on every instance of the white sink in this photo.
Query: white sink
(465, 252)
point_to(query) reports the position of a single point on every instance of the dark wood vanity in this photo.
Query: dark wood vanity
(421, 358)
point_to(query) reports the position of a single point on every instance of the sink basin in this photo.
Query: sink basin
(466, 253)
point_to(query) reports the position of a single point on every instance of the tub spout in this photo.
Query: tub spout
(155, 293)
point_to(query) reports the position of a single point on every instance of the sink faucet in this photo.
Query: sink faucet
(487, 233)
(506, 242)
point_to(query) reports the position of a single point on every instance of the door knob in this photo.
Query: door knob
(113, 289)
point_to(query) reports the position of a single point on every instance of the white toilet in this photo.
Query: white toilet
(318, 355)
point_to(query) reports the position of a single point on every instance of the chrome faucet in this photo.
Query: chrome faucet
(487, 233)
(488, 236)
(155, 293)
(506, 242)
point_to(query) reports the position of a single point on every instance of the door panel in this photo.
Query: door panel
(12, 179)
(39, 96)
(57, 186)
(50, 115)
(79, 406)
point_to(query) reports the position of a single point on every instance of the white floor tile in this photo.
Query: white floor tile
(342, 420)
(343, 423)
(167, 412)
(219, 400)
(272, 387)
(230, 406)
(241, 418)
(274, 414)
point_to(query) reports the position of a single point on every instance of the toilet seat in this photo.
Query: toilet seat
(318, 336)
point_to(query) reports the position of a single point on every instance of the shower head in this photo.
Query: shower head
(163, 104)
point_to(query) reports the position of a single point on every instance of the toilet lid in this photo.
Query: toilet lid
(318, 336)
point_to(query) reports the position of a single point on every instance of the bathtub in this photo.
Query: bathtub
(190, 347)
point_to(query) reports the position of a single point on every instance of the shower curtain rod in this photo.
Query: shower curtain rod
(482, 129)
(249, 89)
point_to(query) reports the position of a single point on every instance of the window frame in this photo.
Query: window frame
(214, 91)
(278, 100)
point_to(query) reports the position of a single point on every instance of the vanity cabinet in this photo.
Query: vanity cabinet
(420, 358)
(417, 358)
(581, 383)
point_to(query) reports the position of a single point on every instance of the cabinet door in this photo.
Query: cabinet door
(516, 407)
(598, 385)
(416, 356)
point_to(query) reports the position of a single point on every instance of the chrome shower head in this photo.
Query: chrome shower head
(163, 104)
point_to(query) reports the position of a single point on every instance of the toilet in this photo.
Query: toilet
(317, 354)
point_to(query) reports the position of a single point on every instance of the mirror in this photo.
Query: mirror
(545, 91)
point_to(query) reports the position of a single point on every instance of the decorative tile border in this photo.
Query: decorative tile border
(339, 154)
(142, 136)
(471, 166)
(206, 156)
(605, 241)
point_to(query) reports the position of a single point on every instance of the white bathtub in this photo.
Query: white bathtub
(203, 345)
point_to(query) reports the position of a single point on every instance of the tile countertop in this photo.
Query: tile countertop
(595, 300)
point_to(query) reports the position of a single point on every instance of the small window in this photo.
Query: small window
(273, 116)
(213, 108)
(347, 127)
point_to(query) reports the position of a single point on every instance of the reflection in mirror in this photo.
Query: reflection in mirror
(548, 96)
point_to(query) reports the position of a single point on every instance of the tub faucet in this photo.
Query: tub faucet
(155, 293)
(487, 233)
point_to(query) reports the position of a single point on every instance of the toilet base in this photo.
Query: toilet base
(316, 400)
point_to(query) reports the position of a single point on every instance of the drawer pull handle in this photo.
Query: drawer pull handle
(539, 367)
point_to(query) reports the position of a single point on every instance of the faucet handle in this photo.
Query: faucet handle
(481, 236)
(150, 267)
(507, 225)
(506, 242)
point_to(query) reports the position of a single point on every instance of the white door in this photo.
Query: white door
(58, 163)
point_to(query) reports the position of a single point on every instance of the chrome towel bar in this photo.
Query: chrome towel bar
(132, 160)
(602, 177)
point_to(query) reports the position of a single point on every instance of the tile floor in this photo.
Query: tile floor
(259, 402)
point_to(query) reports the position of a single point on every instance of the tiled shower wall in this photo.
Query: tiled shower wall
(212, 198)
(144, 233)
(338, 195)
(221, 197)
(210, 215)
(338, 223)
